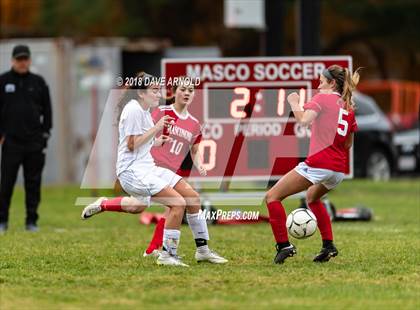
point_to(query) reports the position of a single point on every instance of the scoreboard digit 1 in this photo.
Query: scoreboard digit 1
(249, 132)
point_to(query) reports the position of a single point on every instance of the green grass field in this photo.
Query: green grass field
(97, 264)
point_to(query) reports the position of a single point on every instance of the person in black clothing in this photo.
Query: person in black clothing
(25, 124)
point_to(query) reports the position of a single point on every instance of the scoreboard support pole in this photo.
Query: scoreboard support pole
(308, 27)
(274, 33)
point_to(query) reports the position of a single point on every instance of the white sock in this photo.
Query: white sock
(198, 226)
(171, 240)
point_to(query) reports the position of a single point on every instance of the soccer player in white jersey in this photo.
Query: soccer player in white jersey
(136, 169)
(180, 136)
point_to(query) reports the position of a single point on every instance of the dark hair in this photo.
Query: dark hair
(128, 94)
(171, 99)
(345, 82)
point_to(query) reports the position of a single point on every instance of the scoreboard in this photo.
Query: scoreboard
(248, 128)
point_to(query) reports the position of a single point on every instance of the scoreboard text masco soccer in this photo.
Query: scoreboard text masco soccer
(249, 132)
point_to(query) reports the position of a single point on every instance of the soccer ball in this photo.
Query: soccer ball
(301, 223)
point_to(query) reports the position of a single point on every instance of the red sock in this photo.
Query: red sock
(157, 239)
(323, 218)
(113, 204)
(278, 221)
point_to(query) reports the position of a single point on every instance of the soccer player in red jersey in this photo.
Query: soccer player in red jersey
(331, 115)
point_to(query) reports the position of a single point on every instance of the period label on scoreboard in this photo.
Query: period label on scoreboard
(249, 132)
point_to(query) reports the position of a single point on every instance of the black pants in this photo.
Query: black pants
(33, 163)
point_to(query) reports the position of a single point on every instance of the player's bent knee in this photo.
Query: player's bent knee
(271, 197)
(178, 211)
(193, 208)
(311, 199)
(178, 203)
(135, 209)
(193, 202)
(268, 198)
(132, 205)
(192, 198)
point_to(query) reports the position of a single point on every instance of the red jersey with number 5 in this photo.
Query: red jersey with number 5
(329, 131)
(184, 133)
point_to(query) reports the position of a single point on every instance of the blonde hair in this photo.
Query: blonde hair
(345, 83)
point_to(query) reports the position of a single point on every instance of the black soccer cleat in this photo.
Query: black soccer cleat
(326, 253)
(284, 253)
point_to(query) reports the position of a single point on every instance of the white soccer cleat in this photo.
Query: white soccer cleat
(210, 256)
(169, 260)
(93, 208)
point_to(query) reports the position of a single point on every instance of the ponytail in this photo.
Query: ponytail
(345, 83)
(350, 83)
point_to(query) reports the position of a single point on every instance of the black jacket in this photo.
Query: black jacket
(25, 109)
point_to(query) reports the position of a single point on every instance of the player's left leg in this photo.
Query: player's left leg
(313, 199)
(118, 204)
(288, 185)
(198, 224)
(157, 240)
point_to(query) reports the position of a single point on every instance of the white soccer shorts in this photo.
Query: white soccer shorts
(144, 185)
(326, 177)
